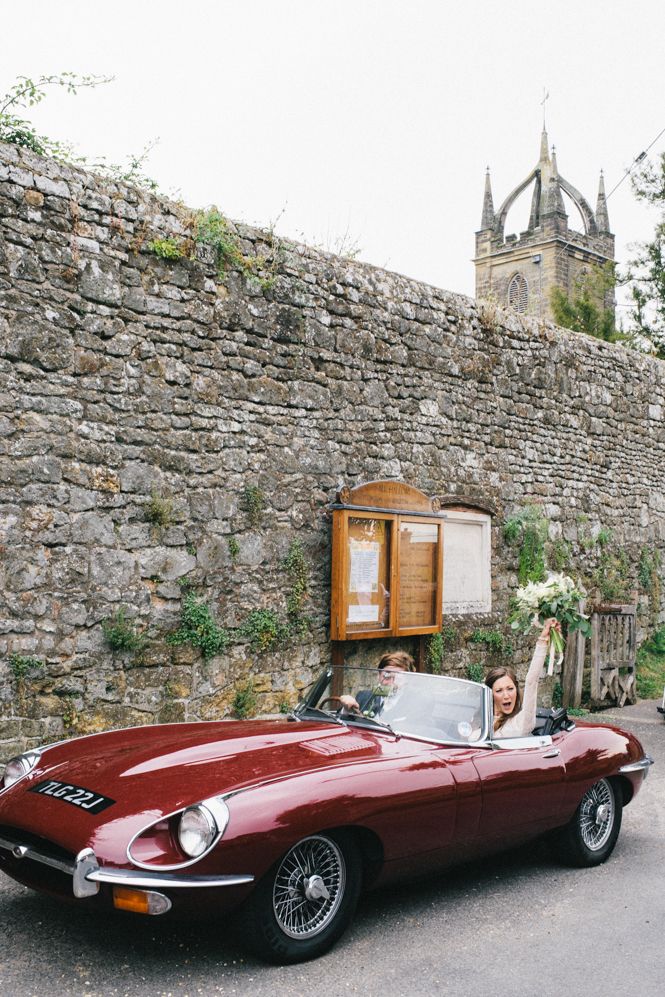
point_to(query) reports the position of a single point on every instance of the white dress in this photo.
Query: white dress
(521, 724)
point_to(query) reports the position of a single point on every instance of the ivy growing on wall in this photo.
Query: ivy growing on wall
(527, 530)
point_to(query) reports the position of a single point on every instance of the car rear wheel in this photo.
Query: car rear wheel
(589, 838)
(307, 899)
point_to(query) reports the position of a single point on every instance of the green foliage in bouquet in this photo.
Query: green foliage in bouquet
(556, 597)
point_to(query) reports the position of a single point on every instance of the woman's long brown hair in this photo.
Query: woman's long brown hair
(494, 676)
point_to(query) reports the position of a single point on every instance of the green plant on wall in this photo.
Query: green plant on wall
(435, 647)
(493, 640)
(198, 628)
(121, 633)
(612, 574)
(244, 700)
(234, 550)
(20, 665)
(648, 576)
(264, 630)
(254, 503)
(159, 510)
(475, 672)
(527, 530)
(167, 248)
(297, 568)
(558, 554)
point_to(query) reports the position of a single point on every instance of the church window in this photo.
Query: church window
(518, 293)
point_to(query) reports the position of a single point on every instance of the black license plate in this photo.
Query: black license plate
(94, 803)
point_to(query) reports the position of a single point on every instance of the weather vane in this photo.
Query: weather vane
(546, 95)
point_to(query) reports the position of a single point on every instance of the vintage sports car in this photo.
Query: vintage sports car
(288, 819)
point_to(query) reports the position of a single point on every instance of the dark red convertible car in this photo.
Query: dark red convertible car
(287, 820)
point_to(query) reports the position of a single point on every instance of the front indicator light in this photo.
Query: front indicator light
(197, 830)
(140, 901)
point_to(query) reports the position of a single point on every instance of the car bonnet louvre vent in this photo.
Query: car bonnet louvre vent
(337, 745)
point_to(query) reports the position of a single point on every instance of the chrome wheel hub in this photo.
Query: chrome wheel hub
(309, 887)
(597, 814)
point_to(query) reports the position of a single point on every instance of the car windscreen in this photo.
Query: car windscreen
(431, 706)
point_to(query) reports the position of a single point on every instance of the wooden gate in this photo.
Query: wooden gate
(613, 653)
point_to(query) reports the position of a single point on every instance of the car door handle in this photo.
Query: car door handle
(552, 754)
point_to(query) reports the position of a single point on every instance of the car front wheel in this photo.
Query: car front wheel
(589, 838)
(307, 900)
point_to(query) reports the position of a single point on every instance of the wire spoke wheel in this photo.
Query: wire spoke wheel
(597, 815)
(590, 835)
(309, 886)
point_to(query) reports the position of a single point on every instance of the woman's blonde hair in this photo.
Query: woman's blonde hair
(494, 676)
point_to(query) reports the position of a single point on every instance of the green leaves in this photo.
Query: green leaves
(198, 628)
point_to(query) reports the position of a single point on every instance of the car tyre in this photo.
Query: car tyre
(590, 836)
(306, 901)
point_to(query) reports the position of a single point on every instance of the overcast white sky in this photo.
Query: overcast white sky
(372, 117)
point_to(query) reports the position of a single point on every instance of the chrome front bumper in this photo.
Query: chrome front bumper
(87, 873)
(643, 765)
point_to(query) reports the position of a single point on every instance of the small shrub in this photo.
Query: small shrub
(254, 503)
(475, 672)
(166, 249)
(435, 647)
(198, 628)
(264, 630)
(121, 634)
(612, 576)
(558, 554)
(244, 700)
(234, 550)
(159, 510)
(21, 665)
(650, 667)
(284, 706)
(493, 640)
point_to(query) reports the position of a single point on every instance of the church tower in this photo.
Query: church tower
(521, 270)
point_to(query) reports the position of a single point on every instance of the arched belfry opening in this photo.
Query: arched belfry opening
(520, 270)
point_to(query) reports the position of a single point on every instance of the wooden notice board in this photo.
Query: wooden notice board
(387, 566)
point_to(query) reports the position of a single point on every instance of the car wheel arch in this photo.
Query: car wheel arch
(624, 788)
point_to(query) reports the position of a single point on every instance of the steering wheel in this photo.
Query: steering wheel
(335, 699)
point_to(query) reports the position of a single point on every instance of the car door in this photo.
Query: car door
(522, 784)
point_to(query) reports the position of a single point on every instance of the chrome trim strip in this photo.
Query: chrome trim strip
(163, 880)
(642, 766)
(87, 874)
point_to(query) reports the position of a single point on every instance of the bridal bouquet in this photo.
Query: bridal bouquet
(558, 597)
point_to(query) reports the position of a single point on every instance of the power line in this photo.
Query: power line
(638, 159)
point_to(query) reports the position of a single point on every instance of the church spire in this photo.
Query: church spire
(544, 147)
(602, 217)
(555, 197)
(488, 204)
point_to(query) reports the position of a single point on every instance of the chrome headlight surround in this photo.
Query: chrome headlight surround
(196, 831)
(19, 766)
(213, 815)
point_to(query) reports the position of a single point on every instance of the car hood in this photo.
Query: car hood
(151, 771)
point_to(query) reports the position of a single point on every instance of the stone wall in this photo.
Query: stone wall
(135, 388)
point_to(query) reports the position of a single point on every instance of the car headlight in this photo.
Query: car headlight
(17, 767)
(197, 830)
